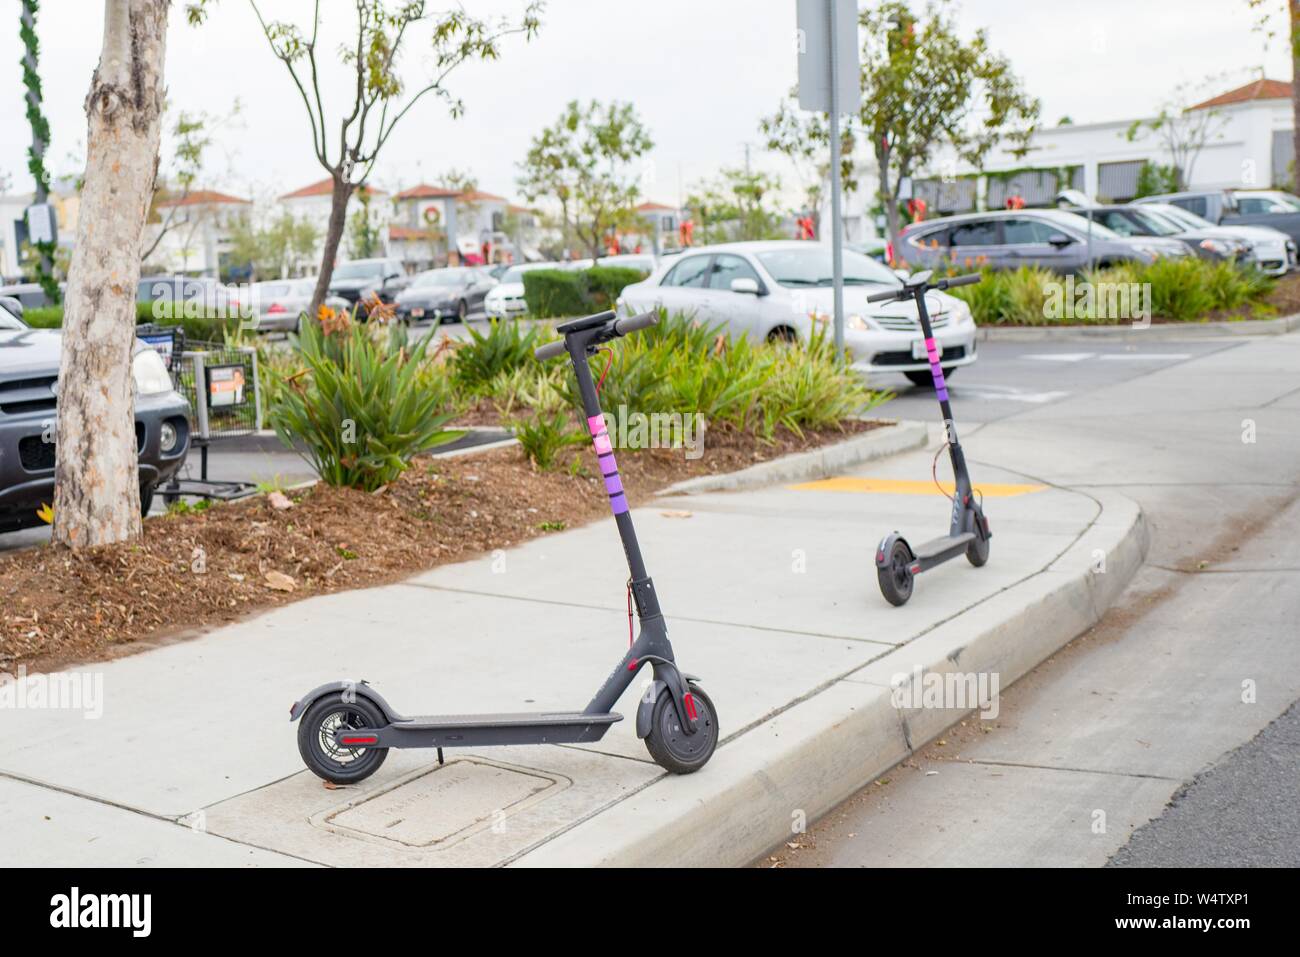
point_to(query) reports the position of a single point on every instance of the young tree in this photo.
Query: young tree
(45, 251)
(924, 88)
(1264, 24)
(381, 98)
(1182, 131)
(273, 250)
(736, 207)
(802, 137)
(96, 491)
(585, 162)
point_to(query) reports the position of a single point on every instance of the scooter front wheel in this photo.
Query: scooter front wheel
(895, 576)
(334, 762)
(668, 743)
(977, 552)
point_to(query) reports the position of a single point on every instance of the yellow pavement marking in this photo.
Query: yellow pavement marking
(846, 483)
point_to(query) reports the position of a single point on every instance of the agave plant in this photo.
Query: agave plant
(361, 407)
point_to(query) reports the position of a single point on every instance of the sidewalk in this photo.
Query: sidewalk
(770, 596)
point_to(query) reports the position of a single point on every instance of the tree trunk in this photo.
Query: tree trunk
(97, 491)
(339, 197)
(1293, 8)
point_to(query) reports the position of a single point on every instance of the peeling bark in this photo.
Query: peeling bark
(97, 493)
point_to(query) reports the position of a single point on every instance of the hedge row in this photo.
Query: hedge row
(198, 328)
(565, 292)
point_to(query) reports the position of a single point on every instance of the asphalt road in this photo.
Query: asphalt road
(1169, 733)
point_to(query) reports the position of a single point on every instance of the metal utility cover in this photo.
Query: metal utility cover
(813, 45)
(444, 804)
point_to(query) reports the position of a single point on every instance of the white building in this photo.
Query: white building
(190, 234)
(313, 204)
(429, 222)
(1250, 147)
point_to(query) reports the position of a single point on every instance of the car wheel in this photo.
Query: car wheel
(146, 499)
(782, 334)
(462, 311)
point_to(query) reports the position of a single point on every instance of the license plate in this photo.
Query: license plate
(417, 313)
(918, 350)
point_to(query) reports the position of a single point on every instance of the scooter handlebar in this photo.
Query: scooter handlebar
(968, 280)
(635, 323)
(889, 294)
(616, 328)
(550, 350)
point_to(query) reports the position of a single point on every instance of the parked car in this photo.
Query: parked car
(200, 292)
(29, 376)
(1222, 207)
(1272, 250)
(278, 304)
(1210, 242)
(642, 262)
(30, 294)
(360, 278)
(1007, 239)
(1254, 202)
(873, 247)
(507, 297)
(776, 290)
(451, 293)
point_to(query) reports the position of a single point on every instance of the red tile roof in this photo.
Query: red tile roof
(647, 207)
(407, 234)
(425, 191)
(324, 188)
(203, 197)
(477, 195)
(1261, 89)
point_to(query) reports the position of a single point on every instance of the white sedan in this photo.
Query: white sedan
(506, 298)
(777, 290)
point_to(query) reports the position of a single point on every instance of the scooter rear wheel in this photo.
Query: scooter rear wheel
(668, 743)
(333, 762)
(977, 552)
(896, 577)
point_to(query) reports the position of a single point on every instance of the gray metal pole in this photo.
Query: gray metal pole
(837, 252)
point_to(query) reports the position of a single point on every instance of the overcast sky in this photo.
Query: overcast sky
(701, 73)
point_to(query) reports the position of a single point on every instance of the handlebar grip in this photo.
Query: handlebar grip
(966, 280)
(550, 350)
(636, 323)
(886, 295)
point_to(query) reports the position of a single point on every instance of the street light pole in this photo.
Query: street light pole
(837, 252)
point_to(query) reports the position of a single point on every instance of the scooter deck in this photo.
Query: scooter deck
(941, 549)
(469, 730)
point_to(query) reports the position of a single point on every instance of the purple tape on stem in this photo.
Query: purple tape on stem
(618, 504)
(607, 464)
(613, 484)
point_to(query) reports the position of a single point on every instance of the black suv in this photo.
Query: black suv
(29, 375)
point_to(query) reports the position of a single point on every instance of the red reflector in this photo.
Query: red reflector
(276, 307)
(690, 706)
(631, 665)
(363, 739)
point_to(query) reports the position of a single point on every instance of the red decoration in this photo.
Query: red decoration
(686, 231)
(806, 229)
(916, 208)
(1015, 202)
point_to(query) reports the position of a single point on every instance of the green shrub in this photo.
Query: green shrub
(544, 435)
(507, 345)
(555, 292)
(362, 410)
(606, 283)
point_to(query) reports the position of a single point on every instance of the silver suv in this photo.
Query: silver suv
(1007, 239)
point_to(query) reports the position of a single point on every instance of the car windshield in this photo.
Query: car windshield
(811, 266)
(442, 277)
(8, 320)
(359, 270)
(1188, 219)
(1080, 223)
(1156, 224)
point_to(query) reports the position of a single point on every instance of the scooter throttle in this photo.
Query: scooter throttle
(888, 294)
(967, 280)
(635, 323)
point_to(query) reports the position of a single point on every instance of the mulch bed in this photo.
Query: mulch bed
(199, 570)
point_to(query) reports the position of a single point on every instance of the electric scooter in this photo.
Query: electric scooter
(347, 727)
(897, 562)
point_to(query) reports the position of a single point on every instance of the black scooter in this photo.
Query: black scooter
(897, 563)
(347, 727)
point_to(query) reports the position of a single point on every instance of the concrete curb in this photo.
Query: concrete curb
(819, 463)
(1157, 332)
(803, 761)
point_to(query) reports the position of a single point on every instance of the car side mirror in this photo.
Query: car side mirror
(746, 285)
(1059, 240)
(12, 305)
